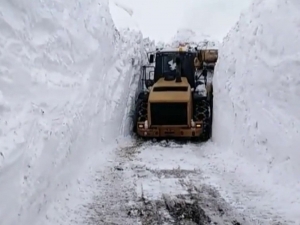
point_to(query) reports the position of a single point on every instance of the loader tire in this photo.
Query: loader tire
(202, 112)
(140, 113)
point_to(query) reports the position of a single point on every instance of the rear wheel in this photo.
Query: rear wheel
(140, 113)
(202, 113)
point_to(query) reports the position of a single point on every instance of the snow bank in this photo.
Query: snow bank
(64, 79)
(194, 38)
(257, 89)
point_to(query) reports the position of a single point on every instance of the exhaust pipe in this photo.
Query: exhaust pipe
(178, 70)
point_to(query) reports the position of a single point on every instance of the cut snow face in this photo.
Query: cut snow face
(256, 101)
(63, 72)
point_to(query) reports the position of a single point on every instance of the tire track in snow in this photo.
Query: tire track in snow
(115, 193)
(170, 191)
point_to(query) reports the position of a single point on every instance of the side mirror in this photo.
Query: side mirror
(151, 58)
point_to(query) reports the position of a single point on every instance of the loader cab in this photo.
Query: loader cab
(165, 65)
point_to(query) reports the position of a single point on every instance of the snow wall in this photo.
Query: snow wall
(65, 76)
(257, 89)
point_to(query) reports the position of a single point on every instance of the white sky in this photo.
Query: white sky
(160, 19)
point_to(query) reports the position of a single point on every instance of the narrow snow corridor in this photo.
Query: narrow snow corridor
(69, 71)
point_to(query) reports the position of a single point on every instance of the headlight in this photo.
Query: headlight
(198, 125)
(141, 126)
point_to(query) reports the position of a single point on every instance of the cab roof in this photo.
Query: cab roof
(164, 83)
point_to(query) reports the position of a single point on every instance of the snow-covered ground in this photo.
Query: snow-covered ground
(68, 74)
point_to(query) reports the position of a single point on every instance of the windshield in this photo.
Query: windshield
(165, 65)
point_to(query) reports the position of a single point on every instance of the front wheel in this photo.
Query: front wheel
(140, 113)
(202, 113)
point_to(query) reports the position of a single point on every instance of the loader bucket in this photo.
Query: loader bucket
(209, 55)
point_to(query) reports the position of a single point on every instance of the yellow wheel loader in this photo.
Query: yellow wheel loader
(174, 98)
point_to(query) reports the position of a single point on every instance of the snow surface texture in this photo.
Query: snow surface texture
(64, 79)
(256, 103)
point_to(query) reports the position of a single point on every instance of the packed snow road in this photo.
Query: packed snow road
(166, 183)
(144, 185)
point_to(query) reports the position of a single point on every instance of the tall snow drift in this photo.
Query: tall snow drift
(257, 89)
(65, 78)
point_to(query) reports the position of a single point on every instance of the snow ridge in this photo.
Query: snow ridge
(256, 111)
(260, 87)
(55, 60)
